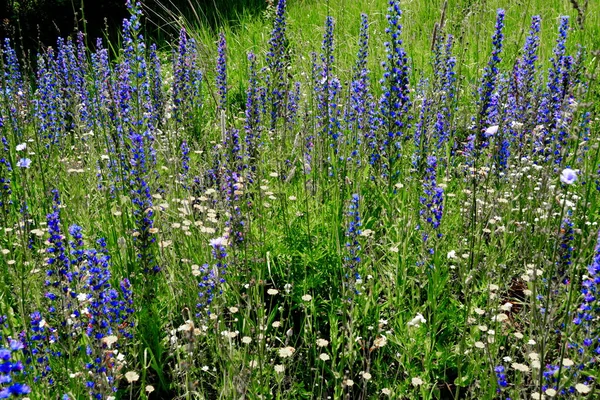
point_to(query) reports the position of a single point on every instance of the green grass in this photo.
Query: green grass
(470, 21)
(290, 321)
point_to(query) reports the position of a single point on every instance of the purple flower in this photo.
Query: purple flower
(24, 163)
(568, 176)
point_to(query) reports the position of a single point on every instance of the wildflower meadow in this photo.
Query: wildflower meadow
(329, 200)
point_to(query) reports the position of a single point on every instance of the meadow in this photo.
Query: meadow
(325, 200)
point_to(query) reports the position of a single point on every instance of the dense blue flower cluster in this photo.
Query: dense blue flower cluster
(212, 276)
(554, 110)
(446, 76)
(91, 307)
(38, 351)
(103, 106)
(222, 73)
(127, 112)
(187, 80)
(521, 100)
(60, 277)
(588, 309)
(181, 79)
(361, 107)
(137, 136)
(276, 74)
(432, 200)
(327, 89)
(488, 107)
(395, 101)
(144, 237)
(70, 65)
(293, 105)
(13, 91)
(49, 104)
(10, 369)
(353, 232)
(443, 67)
(108, 319)
(550, 109)
(565, 250)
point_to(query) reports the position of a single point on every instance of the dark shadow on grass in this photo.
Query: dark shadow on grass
(36, 24)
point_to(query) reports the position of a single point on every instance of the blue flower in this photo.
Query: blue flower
(501, 376)
(352, 258)
(568, 176)
(395, 101)
(212, 276)
(24, 163)
(222, 72)
(10, 369)
(276, 78)
(488, 101)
